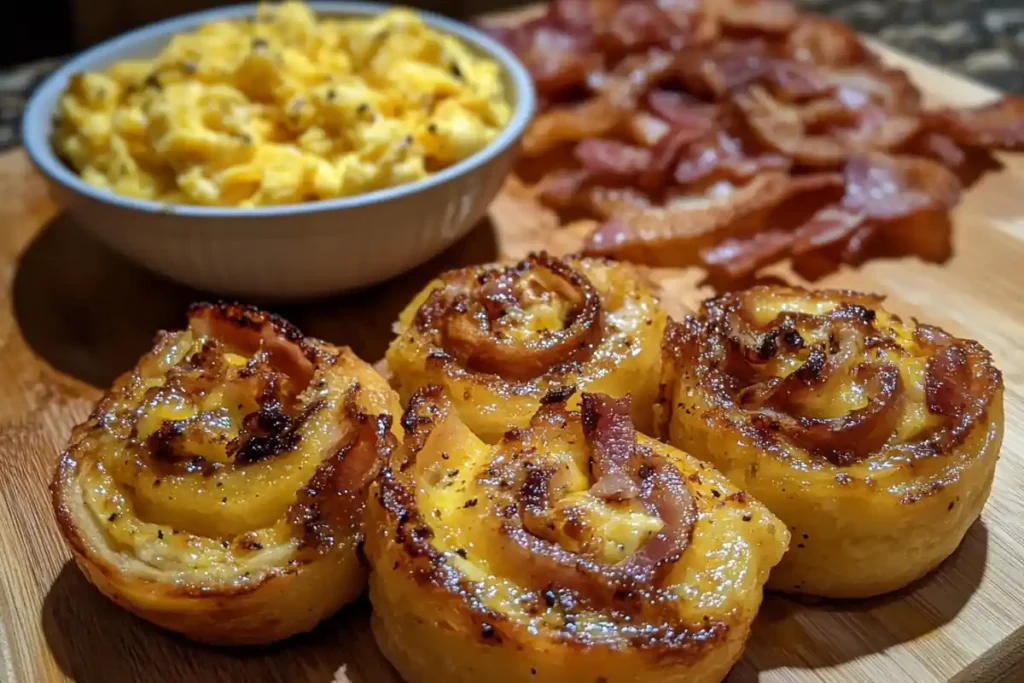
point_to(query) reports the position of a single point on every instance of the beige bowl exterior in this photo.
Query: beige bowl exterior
(296, 255)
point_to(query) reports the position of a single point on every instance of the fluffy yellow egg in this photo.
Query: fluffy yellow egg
(287, 107)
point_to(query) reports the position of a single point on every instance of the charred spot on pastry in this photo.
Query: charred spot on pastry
(558, 395)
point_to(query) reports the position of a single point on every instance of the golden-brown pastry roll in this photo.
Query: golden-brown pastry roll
(575, 549)
(218, 488)
(504, 338)
(874, 439)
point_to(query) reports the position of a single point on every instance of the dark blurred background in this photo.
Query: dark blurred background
(44, 28)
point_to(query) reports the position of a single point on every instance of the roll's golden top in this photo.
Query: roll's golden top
(501, 337)
(573, 529)
(831, 376)
(235, 449)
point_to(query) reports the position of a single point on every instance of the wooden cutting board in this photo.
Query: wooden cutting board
(74, 315)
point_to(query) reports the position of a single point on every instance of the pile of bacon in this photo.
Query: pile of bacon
(736, 133)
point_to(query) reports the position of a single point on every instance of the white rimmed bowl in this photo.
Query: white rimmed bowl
(292, 251)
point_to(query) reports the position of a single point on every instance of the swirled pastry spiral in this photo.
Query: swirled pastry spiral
(573, 550)
(874, 439)
(218, 488)
(506, 338)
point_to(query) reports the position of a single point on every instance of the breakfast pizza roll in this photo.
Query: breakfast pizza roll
(874, 439)
(505, 338)
(575, 549)
(218, 488)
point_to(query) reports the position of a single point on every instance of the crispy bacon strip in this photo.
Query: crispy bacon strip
(625, 471)
(781, 128)
(695, 99)
(760, 16)
(609, 428)
(467, 335)
(571, 123)
(639, 24)
(999, 125)
(720, 156)
(646, 129)
(820, 40)
(585, 17)
(610, 161)
(675, 234)
(880, 190)
(718, 74)
(249, 330)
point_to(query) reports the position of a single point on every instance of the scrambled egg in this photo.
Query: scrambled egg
(282, 108)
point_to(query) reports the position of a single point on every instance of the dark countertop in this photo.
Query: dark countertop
(983, 39)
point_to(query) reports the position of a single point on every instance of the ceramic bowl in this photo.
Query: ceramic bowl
(292, 251)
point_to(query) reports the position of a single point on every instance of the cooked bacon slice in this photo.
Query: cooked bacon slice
(676, 109)
(633, 76)
(675, 233)
(611, 161)
(826, 42)
(787, 128)
(780, 127)
(858, 434)
(881, 191)
(248, 331)
(738, 258)
(968, 163)
(594, 118)
(610, 201)
(716, 74)
(887, 187)
(621, 471)
(999, 125)
(585, 17)
(563, 189)
(640, 24)
(859, 87)
(466, 323)
(682, 111)
(665, 154)
(557, 60)
(759, 16)
(720, 156)
(608, 426)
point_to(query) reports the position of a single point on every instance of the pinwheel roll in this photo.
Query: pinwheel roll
(506, 338)
(573, 550)
(874, 439)
(218, 488)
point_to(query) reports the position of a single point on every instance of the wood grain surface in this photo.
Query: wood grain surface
(74, 315)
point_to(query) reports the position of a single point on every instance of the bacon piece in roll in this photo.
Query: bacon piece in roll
(218, 488)
(505, 338)
(874, 439)
(575, 549)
